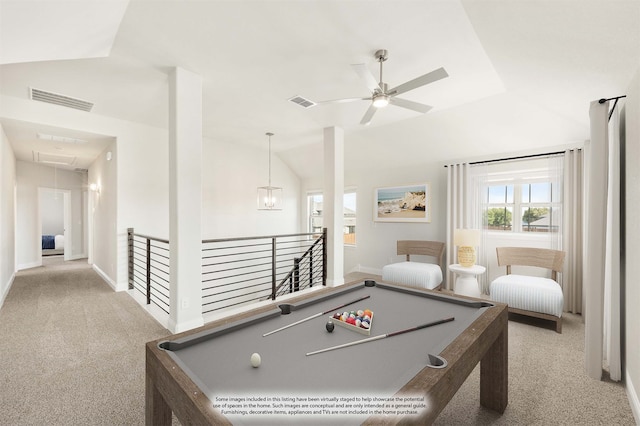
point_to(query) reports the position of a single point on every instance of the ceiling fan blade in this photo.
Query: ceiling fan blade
(414, 106)
(366, 76)
(435, 75)
(366, 119)
(342, 101)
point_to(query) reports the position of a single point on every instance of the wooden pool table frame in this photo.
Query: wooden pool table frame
(168, 388)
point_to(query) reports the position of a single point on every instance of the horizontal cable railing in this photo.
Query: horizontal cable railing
(239, 271)
(149, 268)
(235, 271)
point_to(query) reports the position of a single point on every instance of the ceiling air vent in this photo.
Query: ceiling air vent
(58, 99)
(303, 102)
(42, 157)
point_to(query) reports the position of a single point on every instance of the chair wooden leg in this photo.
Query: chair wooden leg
(559, 325)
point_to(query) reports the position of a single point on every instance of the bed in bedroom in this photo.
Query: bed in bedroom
(52, 245)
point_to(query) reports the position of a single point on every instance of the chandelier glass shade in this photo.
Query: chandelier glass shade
(270, 197)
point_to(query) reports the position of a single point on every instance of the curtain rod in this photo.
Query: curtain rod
(521, 157)
(603, 100)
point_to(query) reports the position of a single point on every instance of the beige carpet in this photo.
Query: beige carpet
(72, 349)
(72, 353)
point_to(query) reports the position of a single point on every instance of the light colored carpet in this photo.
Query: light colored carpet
(72, 349)
(72, 353)
(547, 382)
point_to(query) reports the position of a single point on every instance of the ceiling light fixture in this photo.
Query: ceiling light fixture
(269, 197)
(380, 100)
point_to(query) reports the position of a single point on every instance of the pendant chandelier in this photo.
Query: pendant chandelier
(270, 197)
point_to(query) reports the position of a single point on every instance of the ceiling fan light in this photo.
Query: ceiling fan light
(380, 100)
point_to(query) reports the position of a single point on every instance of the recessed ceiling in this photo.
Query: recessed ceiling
(54, 146)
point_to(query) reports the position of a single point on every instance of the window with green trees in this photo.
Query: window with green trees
(315, 207)
(522, 207)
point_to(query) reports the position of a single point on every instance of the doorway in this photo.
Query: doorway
(55, 222)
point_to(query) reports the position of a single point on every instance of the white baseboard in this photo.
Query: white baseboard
(185, 325)
(105, 277)
(77, 256)
(633, 398)
(162, 317)
(158, 314)
(366, 270)
(30, 265)
(3, 296)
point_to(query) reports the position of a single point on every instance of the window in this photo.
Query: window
(349, 206)
(526, 206)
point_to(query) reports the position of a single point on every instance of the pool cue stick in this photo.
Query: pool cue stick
(316, 315)
(382, 336)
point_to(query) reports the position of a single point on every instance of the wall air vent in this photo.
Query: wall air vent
(303, 102)
(58, 99)
(64, 160)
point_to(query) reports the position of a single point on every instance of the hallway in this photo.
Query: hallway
(72, 349)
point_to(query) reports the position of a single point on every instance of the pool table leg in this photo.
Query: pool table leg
(157, 411)
(494, 374)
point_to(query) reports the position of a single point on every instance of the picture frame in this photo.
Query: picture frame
(406, 203)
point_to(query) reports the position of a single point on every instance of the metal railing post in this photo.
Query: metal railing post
(148, 271)
(324, 256)
(130, 255)
(296, 274)
(273, 268)
(311, 267)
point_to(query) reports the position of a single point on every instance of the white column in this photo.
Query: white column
(332, 203)
(185, 201)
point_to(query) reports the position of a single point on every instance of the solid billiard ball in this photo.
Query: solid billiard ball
(329, 326)
(255, 360)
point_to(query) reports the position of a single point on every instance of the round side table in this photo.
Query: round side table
(466, 281)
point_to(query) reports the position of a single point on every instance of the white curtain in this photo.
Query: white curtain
(602, 239)
(457, 211)
(478, 203)
(572, 229)
(555, 167)
(466, 196)
(612, 261)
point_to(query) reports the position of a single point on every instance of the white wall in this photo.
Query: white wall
(231, 175)
(52, 212)
(103, 204)
(7, 215)
(30, 177)
(376, 241)
(632, 317)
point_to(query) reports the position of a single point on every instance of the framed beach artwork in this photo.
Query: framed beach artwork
(402, 204)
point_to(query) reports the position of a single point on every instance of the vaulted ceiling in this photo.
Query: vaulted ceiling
(519, 71)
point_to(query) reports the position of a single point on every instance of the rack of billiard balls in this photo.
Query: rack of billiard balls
(359, 321)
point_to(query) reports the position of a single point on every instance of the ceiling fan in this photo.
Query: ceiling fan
(381, 95)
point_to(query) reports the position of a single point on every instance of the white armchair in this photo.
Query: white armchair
(417, 274)
(527, 295)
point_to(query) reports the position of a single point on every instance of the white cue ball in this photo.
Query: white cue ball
(255, 360)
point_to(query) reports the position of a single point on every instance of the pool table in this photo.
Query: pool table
(205, 375)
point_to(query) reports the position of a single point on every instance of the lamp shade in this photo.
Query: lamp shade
(467, 240)
(466, 237)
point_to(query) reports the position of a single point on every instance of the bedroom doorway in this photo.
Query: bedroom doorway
(55, 222)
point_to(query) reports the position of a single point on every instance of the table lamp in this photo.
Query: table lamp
(467, 240)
